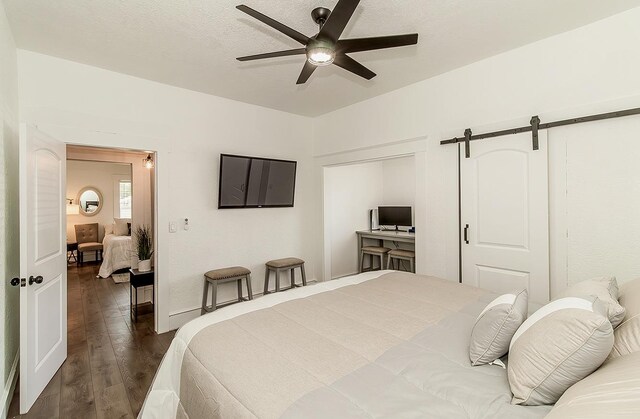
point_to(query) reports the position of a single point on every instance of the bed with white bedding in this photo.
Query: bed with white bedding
(117, 253)
(378, 344)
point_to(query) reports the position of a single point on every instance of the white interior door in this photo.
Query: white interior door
(505, 215)
(43, 292)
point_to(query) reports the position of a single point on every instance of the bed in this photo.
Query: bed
(378, 344)
(116, 254)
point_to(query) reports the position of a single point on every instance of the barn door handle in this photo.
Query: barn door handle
(466, 233)
(37, 280)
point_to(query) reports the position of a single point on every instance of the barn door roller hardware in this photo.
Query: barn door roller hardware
(534, 127)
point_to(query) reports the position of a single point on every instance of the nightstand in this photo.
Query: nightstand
(72, 248)
(138, 279)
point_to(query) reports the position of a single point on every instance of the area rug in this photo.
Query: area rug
(120, 278)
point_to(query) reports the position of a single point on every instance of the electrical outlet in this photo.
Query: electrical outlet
(173, 227)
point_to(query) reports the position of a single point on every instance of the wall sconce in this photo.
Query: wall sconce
(71, 208)
(148, 162)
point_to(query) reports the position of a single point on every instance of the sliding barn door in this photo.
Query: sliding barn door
(505, 215)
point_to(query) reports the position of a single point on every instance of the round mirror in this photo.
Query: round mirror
(90, 201)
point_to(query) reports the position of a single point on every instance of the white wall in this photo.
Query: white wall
(350, 191)
(597, 199)
(85, 105)
(589, 70)
(9, 221)
(399, 182)
(101, 176)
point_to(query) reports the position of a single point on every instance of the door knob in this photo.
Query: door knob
(37, 280)
(15, 281)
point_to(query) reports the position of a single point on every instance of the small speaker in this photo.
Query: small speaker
(373, 220)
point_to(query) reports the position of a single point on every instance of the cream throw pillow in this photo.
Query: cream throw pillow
(606, 289)
(627, 335)
(556, 347)
(120, 227)
(495, 327)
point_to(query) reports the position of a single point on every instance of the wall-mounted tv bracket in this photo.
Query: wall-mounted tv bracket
(535, 126)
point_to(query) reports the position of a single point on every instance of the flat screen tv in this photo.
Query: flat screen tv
(394, 216)
(254, 182)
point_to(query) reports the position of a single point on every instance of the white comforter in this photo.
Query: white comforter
(117, 254)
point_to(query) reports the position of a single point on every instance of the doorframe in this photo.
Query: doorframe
(154, 213)
(414, 147)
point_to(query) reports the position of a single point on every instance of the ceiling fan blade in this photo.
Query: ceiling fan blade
(338, 19)
(291, 33)
(307, 71)
(378, 42)
(273, 54)
(353, 66)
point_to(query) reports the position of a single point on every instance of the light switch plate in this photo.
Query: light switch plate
(173, 227)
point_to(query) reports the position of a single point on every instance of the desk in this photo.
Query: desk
(137, 279)
(382, 235)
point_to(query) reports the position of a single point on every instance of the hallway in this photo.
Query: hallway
(111, 361)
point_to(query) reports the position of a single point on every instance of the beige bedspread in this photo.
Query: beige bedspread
(394, 345)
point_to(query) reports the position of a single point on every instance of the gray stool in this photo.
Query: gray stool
(213, 278)
(401, 254)
(280, 265)
(373, 251)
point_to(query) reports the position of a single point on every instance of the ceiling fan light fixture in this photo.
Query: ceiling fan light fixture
(321, 56)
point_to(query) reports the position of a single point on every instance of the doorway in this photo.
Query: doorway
(109, 195)
(351, 191)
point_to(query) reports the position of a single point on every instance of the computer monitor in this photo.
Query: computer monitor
(394, 216)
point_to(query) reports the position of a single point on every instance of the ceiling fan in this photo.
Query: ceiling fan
(326, 47)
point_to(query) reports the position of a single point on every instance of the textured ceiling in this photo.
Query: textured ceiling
(193, 43)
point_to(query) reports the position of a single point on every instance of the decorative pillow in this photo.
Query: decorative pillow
(129, 227)
(612, 391)
(606, 289)
(495, 327)
(120, 227)
(627, 335)
(108, 229)
(556, 347)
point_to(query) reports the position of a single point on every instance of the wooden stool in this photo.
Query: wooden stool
(401, 254)
(280, 265)
(213, 278)
(373, 251)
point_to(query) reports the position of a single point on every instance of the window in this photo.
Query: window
(124, 192)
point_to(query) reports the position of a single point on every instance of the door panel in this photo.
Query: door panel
(48, 178)
(43, 301)
(504, 202)
(48, 328)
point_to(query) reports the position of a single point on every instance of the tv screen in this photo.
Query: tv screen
(253, 182)
(394, 216)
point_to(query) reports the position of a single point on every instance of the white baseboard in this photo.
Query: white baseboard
(7, 395)
(178, 319)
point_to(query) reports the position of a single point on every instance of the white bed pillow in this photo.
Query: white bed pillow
(559, 345)
(611, 391)
(495, 326)
(108, 229)
(606, 289)
(121, 227)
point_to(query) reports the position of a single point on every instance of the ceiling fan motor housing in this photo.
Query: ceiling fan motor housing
(320, 15)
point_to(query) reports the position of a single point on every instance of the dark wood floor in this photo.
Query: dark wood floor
(111, 360)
